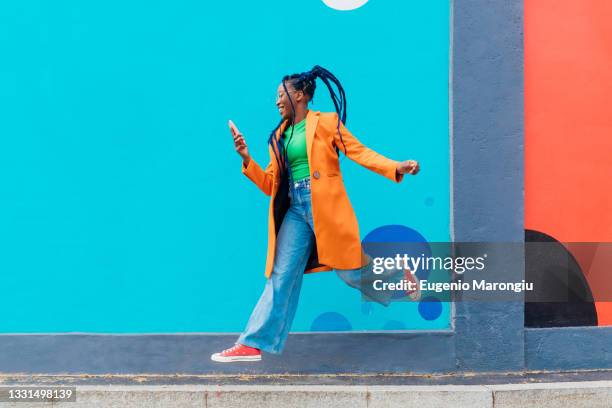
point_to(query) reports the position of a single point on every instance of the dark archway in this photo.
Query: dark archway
(556, 276)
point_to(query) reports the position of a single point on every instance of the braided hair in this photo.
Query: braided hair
(306, 82)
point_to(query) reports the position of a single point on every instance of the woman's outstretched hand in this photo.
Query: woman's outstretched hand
(408, 167)
(239, 143)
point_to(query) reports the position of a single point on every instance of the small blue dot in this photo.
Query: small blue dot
(430, 308)
(429, 201)
(366, 308)
(331, 321)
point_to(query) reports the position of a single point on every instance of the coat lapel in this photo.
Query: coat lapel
(312, 118)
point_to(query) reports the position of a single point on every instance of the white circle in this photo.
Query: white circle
(345, 5)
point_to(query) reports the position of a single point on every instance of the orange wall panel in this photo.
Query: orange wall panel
(568, 121)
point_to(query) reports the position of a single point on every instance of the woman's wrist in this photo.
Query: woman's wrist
(398, 175)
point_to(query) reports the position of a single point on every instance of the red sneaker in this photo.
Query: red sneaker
(414, 294)
(239, 352)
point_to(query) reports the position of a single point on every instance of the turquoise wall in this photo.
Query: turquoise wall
(122, 204)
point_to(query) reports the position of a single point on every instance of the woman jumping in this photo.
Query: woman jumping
(311, 223)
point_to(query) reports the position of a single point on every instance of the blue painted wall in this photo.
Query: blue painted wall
(122, 205)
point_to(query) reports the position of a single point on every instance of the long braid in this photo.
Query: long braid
(274, 143)
(306, 82)
(339, 100)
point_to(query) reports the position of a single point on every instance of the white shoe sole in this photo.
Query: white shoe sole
(222, 359)
(415, 295)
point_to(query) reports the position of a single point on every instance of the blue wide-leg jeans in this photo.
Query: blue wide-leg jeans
(270, 321)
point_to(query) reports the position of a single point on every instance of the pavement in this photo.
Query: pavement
(574, 389)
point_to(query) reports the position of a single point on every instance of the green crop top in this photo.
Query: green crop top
(296, 150)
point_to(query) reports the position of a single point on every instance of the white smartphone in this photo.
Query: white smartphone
(233, 127)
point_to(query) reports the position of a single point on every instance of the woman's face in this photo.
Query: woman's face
(282, 99)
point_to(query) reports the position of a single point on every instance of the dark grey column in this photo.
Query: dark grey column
(487, 139)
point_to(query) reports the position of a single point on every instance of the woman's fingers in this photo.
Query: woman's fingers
(410, 167)
(239, 143)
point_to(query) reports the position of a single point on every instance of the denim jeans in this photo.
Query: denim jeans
(270, 321)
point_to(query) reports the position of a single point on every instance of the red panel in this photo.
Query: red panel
(568, 121)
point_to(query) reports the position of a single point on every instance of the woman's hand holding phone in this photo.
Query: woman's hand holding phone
(239, 143)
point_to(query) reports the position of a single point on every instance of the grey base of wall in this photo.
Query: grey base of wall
(557, 395)
(568, 348)
(419, 352)
(305, 353)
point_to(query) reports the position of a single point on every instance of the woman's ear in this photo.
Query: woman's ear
(300, 96)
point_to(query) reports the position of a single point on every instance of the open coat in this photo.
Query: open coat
(338, 245)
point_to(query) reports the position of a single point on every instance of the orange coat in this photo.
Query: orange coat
(338, 245)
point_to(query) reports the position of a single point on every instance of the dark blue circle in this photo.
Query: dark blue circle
(430, 308)
(331, 321)
(394, 233)
(401, 239)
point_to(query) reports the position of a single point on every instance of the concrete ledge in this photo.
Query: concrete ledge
(458, 396)
(591, 394)
(287, 396)
(587, 394)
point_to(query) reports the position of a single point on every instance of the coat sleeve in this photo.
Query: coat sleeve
(363, 155)
(263, 179)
